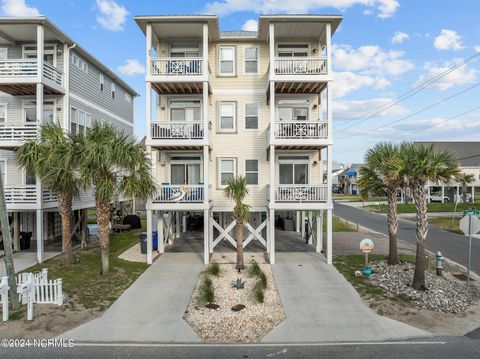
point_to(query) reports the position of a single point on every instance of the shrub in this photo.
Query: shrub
(207, 292)
(254, 270)
(262, 279)
(258, 292)
(213, 269)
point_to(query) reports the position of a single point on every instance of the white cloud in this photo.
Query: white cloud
(346, 82)
(356, 108)
(112, 15)
(461, 76)
(250, 25)
(448, 40)
(18, 8)
(384, 8)
(131, 67)
(400, 37)
(370, 59)
(477, 48)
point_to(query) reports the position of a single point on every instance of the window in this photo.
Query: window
(30, 112)
(227, 169)
(30, 178)
(102, 82)
(88, 121)
(183, 110)
(49, 51)
(251, 171)
(251, 116)
(81, 122)
(73, 120)
(227, 117)
(184, 50)
(226, 60)
(3, 113)
(3, 169)
(128, 97)
(292, 50)
(79, 62)
(250, 55)
(293, 173)
(293, 112)
(112, 88)
(3, 53)
(185, 170)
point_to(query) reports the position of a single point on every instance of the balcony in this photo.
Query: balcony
(299, 196)
(300, 66)
(180, 194)
(25, 197)
(300, 133)
(19, 77)
(178, 134)
(177, 75)
(14, 134)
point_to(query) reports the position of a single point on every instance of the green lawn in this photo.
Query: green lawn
(91, 216)
(432, 207)
(82, 281)
(356, 198)
(347, 265)
(446, 223)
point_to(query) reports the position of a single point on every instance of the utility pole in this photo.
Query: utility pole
(7, 244)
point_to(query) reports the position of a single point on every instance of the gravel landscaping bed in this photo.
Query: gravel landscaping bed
(443, 294)
(225, 325)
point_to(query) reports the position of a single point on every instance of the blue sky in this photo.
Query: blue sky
(382, 50)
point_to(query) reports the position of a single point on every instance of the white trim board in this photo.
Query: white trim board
(99, 108)
(234, 91)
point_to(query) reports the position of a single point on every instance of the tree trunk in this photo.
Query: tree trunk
(420, 195)
(7, 248)
(65, 209)
(240, 266)
(464, 193)
(392, 226)
(103, 221)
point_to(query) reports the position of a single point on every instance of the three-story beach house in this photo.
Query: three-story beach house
(250, 103)
(45, 76)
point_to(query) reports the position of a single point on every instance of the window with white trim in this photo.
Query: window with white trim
(81, 122)
(128, 97)
(102, 82)
(88, 122)
(292, 50)
(251, 116)
(227, 118)
(227, 169)
(3, 53)
(3, 170)
(113, 88)
(30, 177)
(185, 110)
(250, 58)
(73, 120)
(79, 62)
(30, 111)
(226, 60)
(251, 171)
(3, 113)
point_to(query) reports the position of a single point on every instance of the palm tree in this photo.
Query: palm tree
(54, 159)
(112, 163)
(419, 164)
(465, 179)
(378, 178)
(236, 190)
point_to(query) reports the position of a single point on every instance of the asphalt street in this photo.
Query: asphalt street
(453, 246)
(438, 348)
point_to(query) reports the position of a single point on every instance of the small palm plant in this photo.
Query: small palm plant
(54, 158)
(419, 164)
(236, 190)
(377, 177)
(112, 163)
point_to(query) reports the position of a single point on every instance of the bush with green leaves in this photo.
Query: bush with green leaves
(254, 270)
(206, 291)
(258, 292)
(213, 269)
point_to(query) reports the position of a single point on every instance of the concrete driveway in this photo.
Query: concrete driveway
(152, 309)
(321, 306)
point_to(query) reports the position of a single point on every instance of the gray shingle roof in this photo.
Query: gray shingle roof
(467, 154)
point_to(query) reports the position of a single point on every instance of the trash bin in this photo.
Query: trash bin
(143, 241)
(155, 240)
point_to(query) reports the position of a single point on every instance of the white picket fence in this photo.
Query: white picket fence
(46, 291)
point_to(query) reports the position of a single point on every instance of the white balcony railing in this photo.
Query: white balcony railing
(301, 193)
(176, 66)
(301, 130)
(177, 130)
(180, 193)
(20, 68)
(49, 197)
(301, 66)
(21, 194)
(18, 131)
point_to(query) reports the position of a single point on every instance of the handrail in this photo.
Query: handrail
(180, 193)
(301, 193)
(301, 129)
(176, 66)
(177, 130)
(300, 65)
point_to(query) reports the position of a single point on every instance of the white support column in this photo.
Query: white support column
(206, 239)
(210, 231)
(429, 189)
(329, 235)
(39, 235)
(298, 221)
(272, 236)
(319, 232)
(268, 232)
(66, 86)
(40, 52)
(149, 237)
(184, 222)
(302, 225)
(473, 194)
(271, 41)
(443, 193)
(329, 173)
(206, 177)
(148, 53)
(160, 232)
(458, 194)
(205, 49)
(310, 227)
(328, 40)
(177, 222)
(272, 175)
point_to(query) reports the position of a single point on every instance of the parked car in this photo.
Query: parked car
(438, 198)
(338, 190)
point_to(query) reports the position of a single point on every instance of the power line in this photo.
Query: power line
(410, 93)
(415, 113)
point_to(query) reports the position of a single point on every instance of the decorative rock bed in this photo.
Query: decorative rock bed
(443, 294)
(225, 325)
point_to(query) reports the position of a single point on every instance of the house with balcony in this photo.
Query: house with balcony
(251, 103)
(45, 76)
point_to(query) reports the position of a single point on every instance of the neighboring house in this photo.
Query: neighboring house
(256, 104)
(348, 178)
(45, 76)
(467, 155)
